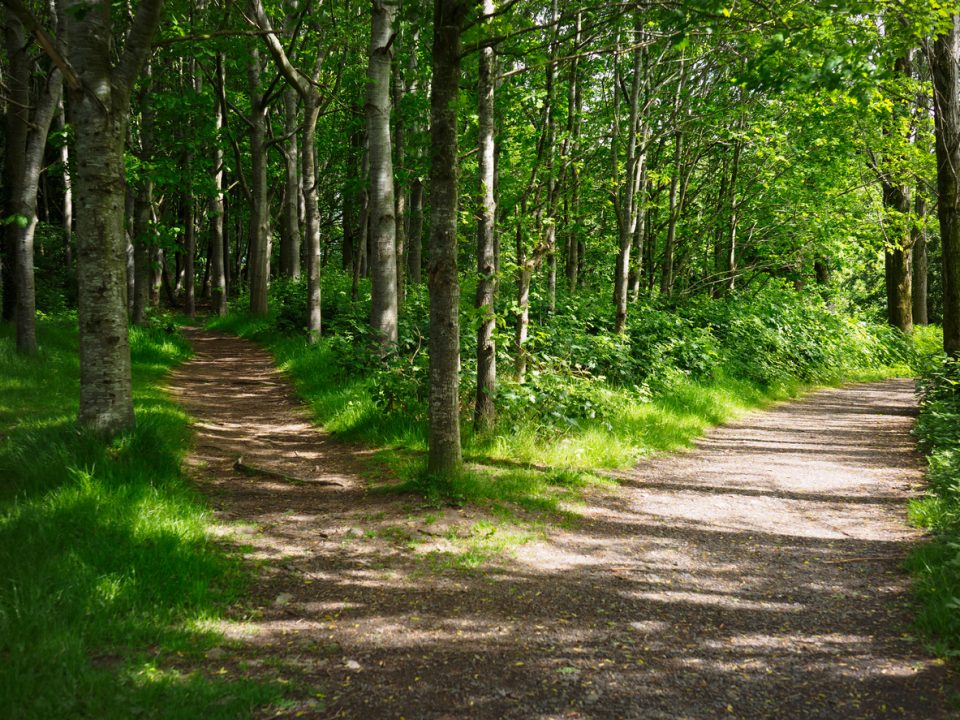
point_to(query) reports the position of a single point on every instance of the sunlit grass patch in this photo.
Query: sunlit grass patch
(105, 555)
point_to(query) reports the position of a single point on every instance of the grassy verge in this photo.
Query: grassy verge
(108, 575)
(535, 459)
(936, 563)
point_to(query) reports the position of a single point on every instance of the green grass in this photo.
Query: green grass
(935, 564)
(519, 462)
(107, 575)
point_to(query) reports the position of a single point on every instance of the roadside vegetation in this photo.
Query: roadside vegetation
(110, 580)
(936, 564)
(591, 400)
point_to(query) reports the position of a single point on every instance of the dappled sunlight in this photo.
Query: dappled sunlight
(763, 559)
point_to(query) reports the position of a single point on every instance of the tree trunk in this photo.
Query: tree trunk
(144, 239)
(550, 237)
(945, 66)
(626, 196)
(383, 221)
(897, 266)
(485, 409)
(99, 116)
(571, 215)
(17, 124)
(919, 257)
(667, 271)
(415, 234)
(290, 218)
(400, 194)
(23, 195)
(444, 457)
(218, 278)
(311, 113)
(258, 265)
(67, 189)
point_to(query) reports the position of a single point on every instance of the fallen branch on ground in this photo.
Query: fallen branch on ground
(252, 470)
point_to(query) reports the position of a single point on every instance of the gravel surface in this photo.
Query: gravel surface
(757, 576)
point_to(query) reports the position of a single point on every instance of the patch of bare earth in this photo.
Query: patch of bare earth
(758, 576)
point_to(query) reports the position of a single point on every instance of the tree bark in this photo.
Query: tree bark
(306, 87)
(626, 199)
(444, 456)
(485, 408)
(383, 221)
(945, 67)
(28, 158)
(218, 278)
(571, 215)
(550, 229)
(898, 272)
(144, 239)
(290, 225)
(100, 112)
(919, 258)
(258, 264)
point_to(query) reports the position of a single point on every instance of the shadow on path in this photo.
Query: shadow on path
(757, 576)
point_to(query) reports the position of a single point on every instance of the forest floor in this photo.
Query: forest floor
(757, 576)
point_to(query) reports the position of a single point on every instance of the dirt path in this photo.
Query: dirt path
(756, 577)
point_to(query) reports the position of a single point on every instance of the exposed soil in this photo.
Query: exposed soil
(757, 576)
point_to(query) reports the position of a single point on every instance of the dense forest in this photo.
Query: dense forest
(511, 245)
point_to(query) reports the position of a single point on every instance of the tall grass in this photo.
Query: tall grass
(106, 569)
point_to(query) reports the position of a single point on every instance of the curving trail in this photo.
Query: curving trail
(757, 576)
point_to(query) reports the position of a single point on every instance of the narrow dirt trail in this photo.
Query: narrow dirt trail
(757, 576)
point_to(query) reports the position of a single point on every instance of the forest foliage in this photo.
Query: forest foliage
(559, 235)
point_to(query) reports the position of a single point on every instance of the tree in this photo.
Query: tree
(28, 123)
(944, 58)
(383, 223)
(100, 108)
(444, 455)
(306, 86)
(485, 409)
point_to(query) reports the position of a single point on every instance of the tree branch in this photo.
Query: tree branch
(26, 18)
(137, 45)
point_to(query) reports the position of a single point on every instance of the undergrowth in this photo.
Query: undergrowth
(936, 563)
(108, 576)
(591, 399)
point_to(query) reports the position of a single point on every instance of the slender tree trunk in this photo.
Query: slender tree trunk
(258, 265)
(189, 249)
(218, 278)
(383, 221)
(23, 195)
(67, 189)
(400, 194)
(919, 258)
(485, 409)
(415, 235)
(144, 244)
(669, 250)
(444, 456)
(550, 238)
(290, 225)
(626, 198)
(572, 145)
(312, 216)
